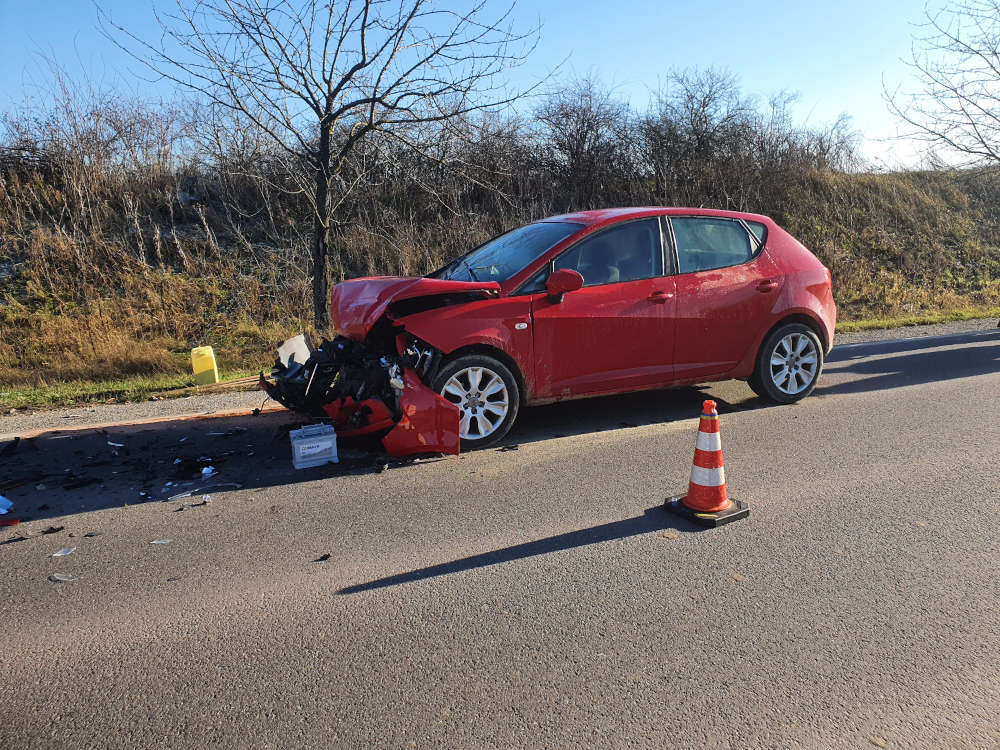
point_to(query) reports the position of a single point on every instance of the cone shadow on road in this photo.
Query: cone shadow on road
(653, 519)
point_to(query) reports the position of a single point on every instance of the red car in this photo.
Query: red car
(597, 303)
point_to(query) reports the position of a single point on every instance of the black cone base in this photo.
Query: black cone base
(734, 512)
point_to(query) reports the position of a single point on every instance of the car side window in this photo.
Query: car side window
(627, 252)
(707, 243)
(759, 231)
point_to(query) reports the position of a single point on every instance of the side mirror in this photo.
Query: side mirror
(562, 281)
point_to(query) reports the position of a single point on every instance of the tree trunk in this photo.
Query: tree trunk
(321, 315)
(321, 231)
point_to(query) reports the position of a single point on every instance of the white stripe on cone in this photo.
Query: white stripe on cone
(708, 477)
(709, 441)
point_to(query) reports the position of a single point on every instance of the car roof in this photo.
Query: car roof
(610, 215)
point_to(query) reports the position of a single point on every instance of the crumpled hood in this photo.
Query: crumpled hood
(356, 305)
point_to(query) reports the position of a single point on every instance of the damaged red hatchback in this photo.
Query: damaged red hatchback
(585, 304)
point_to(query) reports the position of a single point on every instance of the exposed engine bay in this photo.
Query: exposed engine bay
(366, 389)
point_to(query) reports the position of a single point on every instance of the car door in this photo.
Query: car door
(726, 289)
(615, 333)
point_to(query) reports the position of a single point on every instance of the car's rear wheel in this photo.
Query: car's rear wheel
(789, 364)
(486, 392)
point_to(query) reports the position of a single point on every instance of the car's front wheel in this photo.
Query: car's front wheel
(486, 392)
(788, 365)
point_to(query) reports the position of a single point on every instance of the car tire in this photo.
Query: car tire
(480, 402)
(789, 364)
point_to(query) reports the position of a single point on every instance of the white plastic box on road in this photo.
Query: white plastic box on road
(313, 445)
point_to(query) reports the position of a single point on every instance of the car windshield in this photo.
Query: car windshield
(503, 256)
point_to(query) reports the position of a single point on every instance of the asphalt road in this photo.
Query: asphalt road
(535, 597)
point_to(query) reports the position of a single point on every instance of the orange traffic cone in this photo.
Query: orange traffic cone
(706, 501)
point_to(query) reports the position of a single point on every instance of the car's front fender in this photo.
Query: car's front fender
(503, 324)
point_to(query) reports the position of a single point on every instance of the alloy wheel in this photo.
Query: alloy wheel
(794, 363)
(482, 397)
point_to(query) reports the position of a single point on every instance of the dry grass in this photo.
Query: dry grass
(901, 245)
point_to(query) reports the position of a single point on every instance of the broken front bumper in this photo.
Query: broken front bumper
(364, 392)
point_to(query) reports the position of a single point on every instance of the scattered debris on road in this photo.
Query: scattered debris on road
(54, 529)
(161, 541)
(185, 506)
(64, 551)
(322, 558)
(227, 433)
(61, 578)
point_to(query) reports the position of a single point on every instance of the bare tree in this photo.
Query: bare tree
(319, 77)
(956, 108)
(583, 127)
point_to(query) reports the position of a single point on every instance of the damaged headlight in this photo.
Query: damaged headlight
(423, 358)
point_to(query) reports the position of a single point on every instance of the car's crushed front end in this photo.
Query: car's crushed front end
(364, 391)
(373, 378)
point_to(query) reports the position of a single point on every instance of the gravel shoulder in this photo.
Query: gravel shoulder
(915, 332)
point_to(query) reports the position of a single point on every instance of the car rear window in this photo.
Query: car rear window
(504, 256)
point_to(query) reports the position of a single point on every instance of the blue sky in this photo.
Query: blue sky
(835, 55)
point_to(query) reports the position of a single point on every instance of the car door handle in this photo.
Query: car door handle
(660, 297)
(767, 285)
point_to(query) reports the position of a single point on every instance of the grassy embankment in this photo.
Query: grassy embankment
(97, 304)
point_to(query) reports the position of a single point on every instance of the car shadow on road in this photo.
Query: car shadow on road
(76, 470)
(653, 519)
(591, 415)
(848, 352)
(904, 367)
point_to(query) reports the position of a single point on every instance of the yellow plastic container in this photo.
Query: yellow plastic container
(203, 362)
